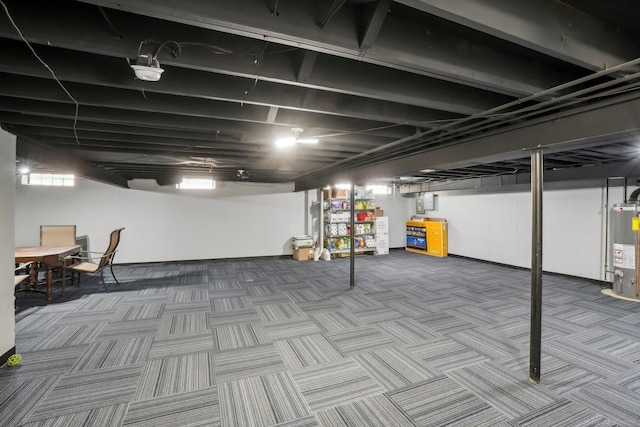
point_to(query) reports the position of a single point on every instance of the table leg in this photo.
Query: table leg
(49, 283)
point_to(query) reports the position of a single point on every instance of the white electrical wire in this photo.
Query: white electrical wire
(75, 119)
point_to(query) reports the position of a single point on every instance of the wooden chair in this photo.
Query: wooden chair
(86, 264)
(58, 235)
(19, 279)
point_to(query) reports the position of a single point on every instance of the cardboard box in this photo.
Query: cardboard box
(379, 212)
(339, 193)
(326, 194)
(303, 254)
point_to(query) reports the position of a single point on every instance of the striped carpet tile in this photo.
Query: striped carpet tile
(105, 354)
(262, 290)
(408, 331)
(175, 344)
(291, 328)
(562, 413)
(37, 321)
(79, 317)
(261, 401)
(228, 293)
(173, 375)
(273, 299)
(443, 402)
(374, 315)
(319, 306)
(308, 421)
(230, 303)
(630, 381)
(358, 340)
(590, 359)
(14, 394)
(272, 313)
(444, 323)
(375, 411)
(42, 363)
(610, 343)
(336, 320)
(245, 315)
(190, 295)
(100, 302)
(134, 328)
(611, 401)
(65, 336)
(84, 391)
(192, 409)
(302, 295)
(513, 395)
(557, 375)
(105, 416)
(331, 384)
(239, 336)
(300, 352)
(246, 362)
(357, 302)
(185, 323)
(387, 296)
(445, 354)
(484, 342)
(410, 308)
(224, 285)
(393, 368)
(138, 312)
(186, 307)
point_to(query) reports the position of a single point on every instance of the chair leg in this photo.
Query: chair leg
(114, 276)
(102, 278)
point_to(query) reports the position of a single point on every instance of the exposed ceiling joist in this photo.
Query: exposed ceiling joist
(546, 26)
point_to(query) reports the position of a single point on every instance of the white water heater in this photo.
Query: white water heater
(625, 229)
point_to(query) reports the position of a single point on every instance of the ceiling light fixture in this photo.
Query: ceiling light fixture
(295, 139)
(147, 67)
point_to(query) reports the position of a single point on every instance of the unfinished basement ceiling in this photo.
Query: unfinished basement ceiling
(389, 88)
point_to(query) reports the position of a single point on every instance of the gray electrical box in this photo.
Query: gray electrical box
(425, 202)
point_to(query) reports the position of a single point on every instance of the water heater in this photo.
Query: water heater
(625, 232)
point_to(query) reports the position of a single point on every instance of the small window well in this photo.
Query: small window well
(51, 179)
(197, 184)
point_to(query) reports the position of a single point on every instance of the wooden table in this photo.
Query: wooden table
(46, 255)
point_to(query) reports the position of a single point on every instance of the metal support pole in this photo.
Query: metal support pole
(536, 265)
(352, 246)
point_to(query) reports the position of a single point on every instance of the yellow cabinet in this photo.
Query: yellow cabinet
(427, 236)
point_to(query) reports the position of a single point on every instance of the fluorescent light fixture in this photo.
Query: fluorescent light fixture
(343, 186)
(50, 179)
(427, 170)
(23, 170)
(197, 184)
(286, 142)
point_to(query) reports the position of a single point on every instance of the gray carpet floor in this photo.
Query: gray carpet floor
(420, 341)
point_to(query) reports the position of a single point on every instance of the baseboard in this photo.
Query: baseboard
(7, 355)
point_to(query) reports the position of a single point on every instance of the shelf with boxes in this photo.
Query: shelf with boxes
(337, 221)
(427, 236)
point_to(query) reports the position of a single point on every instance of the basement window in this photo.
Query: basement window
(379, 189)
(197, 184)
(50, 179)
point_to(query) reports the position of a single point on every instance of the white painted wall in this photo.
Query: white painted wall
(164, 227)
(7, 254)
(497, 228)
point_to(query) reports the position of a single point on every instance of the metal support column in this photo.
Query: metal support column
(536, 265)
(352, 246)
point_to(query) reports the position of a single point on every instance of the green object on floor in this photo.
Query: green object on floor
(14, 360)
